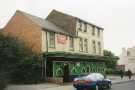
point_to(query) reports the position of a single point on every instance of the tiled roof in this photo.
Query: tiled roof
(45, 24)
(67, 15)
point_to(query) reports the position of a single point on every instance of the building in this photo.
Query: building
(70, 45)
(127, 58)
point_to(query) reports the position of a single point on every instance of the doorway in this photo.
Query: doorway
(66, 73)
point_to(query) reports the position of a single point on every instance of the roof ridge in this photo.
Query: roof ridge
(25, 13)
(76, 18)
(43, 23)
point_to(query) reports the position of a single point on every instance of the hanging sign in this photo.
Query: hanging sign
(61, 39)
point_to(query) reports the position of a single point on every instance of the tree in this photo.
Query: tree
(111, 59)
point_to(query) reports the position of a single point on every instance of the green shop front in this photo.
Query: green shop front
(69, 65)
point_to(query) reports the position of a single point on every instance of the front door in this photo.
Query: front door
(66, 73)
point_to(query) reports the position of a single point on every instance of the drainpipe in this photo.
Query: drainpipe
(46, 42)
(45, 60)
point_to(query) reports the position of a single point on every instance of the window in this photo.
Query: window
(71, 42)
(81, 44)
(85, 27)
(52, 40)
(99, 47)
(128, 53)
(93, 30)
(80, 25)
(98, 32)
(94, 46)
(85, 45)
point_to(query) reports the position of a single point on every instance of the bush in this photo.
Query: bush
(28, 71)
(3, 81)
(112, 71)
(20, 63)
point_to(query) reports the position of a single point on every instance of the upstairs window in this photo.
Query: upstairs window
(99, 47)
(93, 30)
(51, 39)
(128, 53)
(98, 33)
(81, 44)
(80, 25)
(71, 43)
(85, 45)
(94, 46)
(85, 27)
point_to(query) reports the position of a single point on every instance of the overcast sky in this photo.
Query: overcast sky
(117, 17)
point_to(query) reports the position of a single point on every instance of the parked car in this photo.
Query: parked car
(94, 81)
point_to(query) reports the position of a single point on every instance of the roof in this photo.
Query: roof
(44, 24)
(78, 19)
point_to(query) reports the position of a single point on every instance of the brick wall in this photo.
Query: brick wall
(23, 29)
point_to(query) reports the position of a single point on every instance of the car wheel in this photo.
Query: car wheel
(109, 86)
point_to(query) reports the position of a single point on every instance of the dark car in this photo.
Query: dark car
(94, 81)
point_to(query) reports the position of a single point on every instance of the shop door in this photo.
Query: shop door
(66, 73)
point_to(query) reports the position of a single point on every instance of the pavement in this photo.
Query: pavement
(118, 80)
(124, 86)
(67, 86)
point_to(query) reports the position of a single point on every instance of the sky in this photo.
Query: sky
(117, 17)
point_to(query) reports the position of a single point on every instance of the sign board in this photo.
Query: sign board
(61, 39)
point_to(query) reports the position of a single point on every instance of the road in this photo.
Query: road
(124, 86)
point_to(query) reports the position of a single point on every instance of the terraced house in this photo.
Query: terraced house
(70, 45)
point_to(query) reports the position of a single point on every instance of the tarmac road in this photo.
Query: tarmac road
(124, 86)
(130, 85)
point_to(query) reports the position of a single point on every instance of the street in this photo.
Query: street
(124, 86)
(117, 84)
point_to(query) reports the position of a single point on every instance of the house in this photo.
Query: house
(70, 46)
(127, 58)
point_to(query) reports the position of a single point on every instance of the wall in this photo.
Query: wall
(88, 35)
(128, 59)
(65, 47)
(23, 29)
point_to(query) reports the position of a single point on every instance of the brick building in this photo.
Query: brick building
(70, 45)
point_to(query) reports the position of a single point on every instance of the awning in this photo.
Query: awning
(74, 56)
